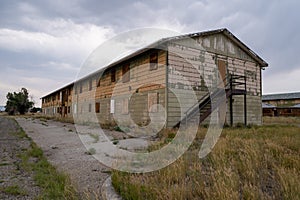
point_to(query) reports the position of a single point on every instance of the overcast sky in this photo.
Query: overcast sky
(44, 43)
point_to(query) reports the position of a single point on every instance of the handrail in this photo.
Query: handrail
(204, 97)
(231, 83)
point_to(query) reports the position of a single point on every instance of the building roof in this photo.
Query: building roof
(266, 105)
(296, 106)
(282, 96)
(64, 87)
(164, 41)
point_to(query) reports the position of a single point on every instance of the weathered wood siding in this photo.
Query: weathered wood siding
(142, 82)
(194, 69)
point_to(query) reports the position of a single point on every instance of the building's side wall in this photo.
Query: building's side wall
(195, 68)
(59, 103)
(253, 86)
(129, 99)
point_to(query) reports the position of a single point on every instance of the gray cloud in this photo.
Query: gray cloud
(48, 38)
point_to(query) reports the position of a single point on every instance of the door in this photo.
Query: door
(222, 70)
(222, 77)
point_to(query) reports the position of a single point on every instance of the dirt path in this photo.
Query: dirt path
(64, 149)
(15, 182)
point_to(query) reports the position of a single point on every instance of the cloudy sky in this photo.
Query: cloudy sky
(44, 43)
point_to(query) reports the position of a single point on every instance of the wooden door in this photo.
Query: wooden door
(222, 70)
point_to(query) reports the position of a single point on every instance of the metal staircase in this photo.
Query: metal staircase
(236, 85)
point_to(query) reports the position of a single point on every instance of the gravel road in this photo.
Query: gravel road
(15, 182)
(64, 149)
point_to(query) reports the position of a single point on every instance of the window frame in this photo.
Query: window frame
(153, 60)
(126, 73)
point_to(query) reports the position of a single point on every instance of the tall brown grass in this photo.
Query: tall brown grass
(247, 163)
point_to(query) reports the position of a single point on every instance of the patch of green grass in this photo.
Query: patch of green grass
(13, 190)
(44, 124)
(95, 137)
(54, 185)
(115, 142)
(91, 151)
(43, 120)
(4, 164)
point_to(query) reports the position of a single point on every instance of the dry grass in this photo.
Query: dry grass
(253, 163)
(281, 120)
(43, 117)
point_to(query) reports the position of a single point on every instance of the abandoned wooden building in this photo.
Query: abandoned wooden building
(153, 78)
(284, 104)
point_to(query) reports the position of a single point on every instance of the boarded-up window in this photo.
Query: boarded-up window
(125, 106)
(153, 102)
(222, 70)
(153, 61)
(90, 107)
(112, 106)
(113, 75)
(90, 84)
(97, 107)
(126, 73)
(75, 108)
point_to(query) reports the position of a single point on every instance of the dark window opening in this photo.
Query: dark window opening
(126, 73)
(113, 75)
(80, 89)
(90, 84)
(97, 107)
(153, 61)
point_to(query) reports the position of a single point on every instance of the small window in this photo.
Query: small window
(80, 89)
(98, 82)
(112, 106)
(75, 108)
(153, 102)
(125, 106)
(90, 84)
(153, 61)
(113, 75)
(126, 73)
(90, 107)
(97, 107)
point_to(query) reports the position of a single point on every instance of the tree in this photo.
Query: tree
(18, 102)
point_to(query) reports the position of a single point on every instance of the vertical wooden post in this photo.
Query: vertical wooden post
(245, 103)
(167, 88)
(231, 102)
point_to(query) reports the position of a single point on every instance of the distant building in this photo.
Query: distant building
(284, 104)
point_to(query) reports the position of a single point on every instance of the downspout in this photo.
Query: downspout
(166, 88)
(260, 70)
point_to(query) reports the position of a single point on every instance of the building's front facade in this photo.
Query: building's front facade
(163, 79)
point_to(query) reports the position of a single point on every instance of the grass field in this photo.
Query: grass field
(247, 163)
